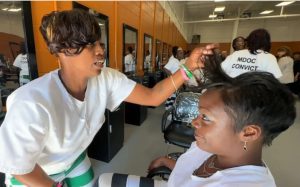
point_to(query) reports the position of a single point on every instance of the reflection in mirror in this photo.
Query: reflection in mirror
(147, 53)
(169, 51)
(129, 49)
(103, 23)
(17, 51)
(165, 55)
(158, 57)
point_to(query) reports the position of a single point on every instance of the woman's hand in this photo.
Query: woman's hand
(197, 58)
(162, 161)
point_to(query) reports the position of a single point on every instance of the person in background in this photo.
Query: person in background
(296, 67)
(239, 43)
(170, 68)
(21, 62)
(286, 64)
(147, 62)
(255, 58)
(224, 55)
(128, 60)
(51, 120)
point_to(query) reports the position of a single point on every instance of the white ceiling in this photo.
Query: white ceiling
(197, 11)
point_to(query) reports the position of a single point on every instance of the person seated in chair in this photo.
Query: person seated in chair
(237, 117)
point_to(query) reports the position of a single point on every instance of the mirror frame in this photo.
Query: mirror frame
(106, 22)
(29, 39)
(125, 26)
(144, 51)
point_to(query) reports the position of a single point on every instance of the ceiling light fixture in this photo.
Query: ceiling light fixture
(219, 0)
(267, 12)
(212, 16)
(14, 9)
(219, 9)
(285, 3)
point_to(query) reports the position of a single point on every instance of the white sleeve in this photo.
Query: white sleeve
(23, 134)
(120, 88)
(272, 66)
(226, 65)
(17, 61)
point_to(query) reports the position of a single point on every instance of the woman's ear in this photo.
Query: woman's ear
(250, 133)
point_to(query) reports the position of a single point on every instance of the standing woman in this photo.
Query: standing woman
(256, 58)
(286, 64)
(51, 121)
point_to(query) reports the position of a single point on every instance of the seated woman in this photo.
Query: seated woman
(237, 117)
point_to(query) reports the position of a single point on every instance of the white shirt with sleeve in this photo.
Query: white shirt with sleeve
(21, 62)
(128, 61)
(173, 64)
(45, 125)
(243, 176)
(286, 65)
(243, 61)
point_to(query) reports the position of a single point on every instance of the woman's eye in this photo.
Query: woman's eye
(205, 118)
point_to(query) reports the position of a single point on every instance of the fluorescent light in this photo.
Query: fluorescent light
(212, 16)
(219, 9)
(5, 9)
(266, 12)
(219, 0)
(285, 3)
(14, 9)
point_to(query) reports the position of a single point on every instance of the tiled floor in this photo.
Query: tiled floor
(144, 143)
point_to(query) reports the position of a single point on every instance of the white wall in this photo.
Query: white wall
(11, 22)
(281, 29)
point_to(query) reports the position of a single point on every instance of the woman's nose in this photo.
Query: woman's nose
(196, 123)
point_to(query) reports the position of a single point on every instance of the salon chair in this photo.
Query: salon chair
(177, 129)
(2, 179)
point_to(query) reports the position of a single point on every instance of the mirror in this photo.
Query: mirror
(158, 58)
(103, 23)
(130, 36)
(17, 50)
(165, 55)
(169, 51)
(147, 53)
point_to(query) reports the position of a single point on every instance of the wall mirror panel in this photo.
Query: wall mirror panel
(103, 23)
(158, 58)
(130, 36)
(147, 53)
(17, 51)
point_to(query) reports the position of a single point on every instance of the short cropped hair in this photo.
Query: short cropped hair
(254, 98)
(286, 49)
(259, 39)
(69, 31)
(235, 40)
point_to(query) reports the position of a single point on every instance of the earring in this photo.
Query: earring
(245, 146)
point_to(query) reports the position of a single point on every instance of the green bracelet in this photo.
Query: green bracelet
(187, 71)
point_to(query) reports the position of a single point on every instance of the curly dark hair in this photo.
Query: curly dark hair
(253, 98)
(69, 31)
(259, 39)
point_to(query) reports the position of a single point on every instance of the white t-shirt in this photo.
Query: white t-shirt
(243, 61)
(44, 124)
(173, 64)
(147, 62)
(129, 63)
(22, 62)
(243, 176)
(286, 65)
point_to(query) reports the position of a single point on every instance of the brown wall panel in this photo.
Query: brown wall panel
(146, 16)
